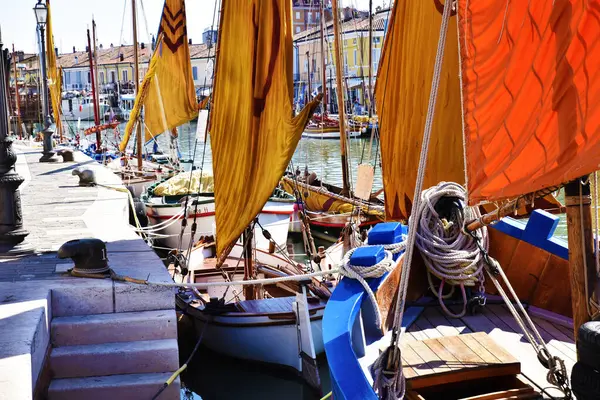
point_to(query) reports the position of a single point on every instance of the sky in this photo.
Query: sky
(71, 18)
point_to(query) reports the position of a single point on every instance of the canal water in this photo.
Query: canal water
(214, 376)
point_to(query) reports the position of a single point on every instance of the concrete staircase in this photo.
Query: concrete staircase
(126, 355)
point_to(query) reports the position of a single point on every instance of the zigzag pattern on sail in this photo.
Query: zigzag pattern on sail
(167, 92)
(173, 27)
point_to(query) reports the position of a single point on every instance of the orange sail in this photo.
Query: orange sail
(402, 95)
(531, 94)
(253, 130)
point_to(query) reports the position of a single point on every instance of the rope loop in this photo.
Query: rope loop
(361, 273)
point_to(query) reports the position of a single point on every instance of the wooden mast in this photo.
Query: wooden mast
(17, 99)
(340, 96)
(370, 88)
(136, 77)
(323, 64)
(308, 78)
(582, 269)
(248, 263)
(95, 53)
(94, 99)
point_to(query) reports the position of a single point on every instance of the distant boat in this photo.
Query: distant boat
(163, 206)
(83, 108)
(329, 128)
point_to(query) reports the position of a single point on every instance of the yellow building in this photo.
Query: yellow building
(355, 47)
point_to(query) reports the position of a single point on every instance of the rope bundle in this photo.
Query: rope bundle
(360, 273)
(448, 253)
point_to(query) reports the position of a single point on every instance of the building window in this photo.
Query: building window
(354, 41)
(376, 39)
(101, 78)
(195, 73)
(297, 29)
(305, 65)
(89, 77)
(297, 15)
(125, 75)
(309, 17)
(113, 77)
(355, 60)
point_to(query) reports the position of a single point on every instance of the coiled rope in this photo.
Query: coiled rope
(449, 254)
(361, 273)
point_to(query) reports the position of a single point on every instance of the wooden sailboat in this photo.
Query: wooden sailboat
(328, 206)
(251, 115)
(533, 142)
(168, 203)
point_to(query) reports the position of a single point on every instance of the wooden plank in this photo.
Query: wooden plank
(552, 317)
(461, 375)
(413, 360)
(499, 352)
(552, 344)
(431, 358)
(461, 351)
(417, 332)
(560, 339)
(427, 328)
(507, 339)
(568, 331)
(448, 359)
(487, 356)
(408, 371)
(441, 323)
(412, 395)
(529, 262)
(553, 292)
(455, 322)
(502, 247)
(522, 393)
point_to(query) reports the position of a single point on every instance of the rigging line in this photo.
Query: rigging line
(123, 22)
(145, 22)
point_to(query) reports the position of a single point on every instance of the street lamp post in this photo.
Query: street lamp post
(12, 234)
(41, 15)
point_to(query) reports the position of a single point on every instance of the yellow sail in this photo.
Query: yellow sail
(253, 130)
(167, 92)
(403, 85)
(54, 73)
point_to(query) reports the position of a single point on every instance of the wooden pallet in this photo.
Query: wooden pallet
(470, 366)
(455, 358)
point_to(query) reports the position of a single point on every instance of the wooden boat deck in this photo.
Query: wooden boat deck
(499, 325)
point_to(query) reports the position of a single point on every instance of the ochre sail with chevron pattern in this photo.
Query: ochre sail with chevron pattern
(167, 92)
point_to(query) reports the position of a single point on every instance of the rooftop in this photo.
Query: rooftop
(111, 55)
(351, 25)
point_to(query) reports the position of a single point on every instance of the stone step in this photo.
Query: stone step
(117, 327)
(114, 387)
(140, 357)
